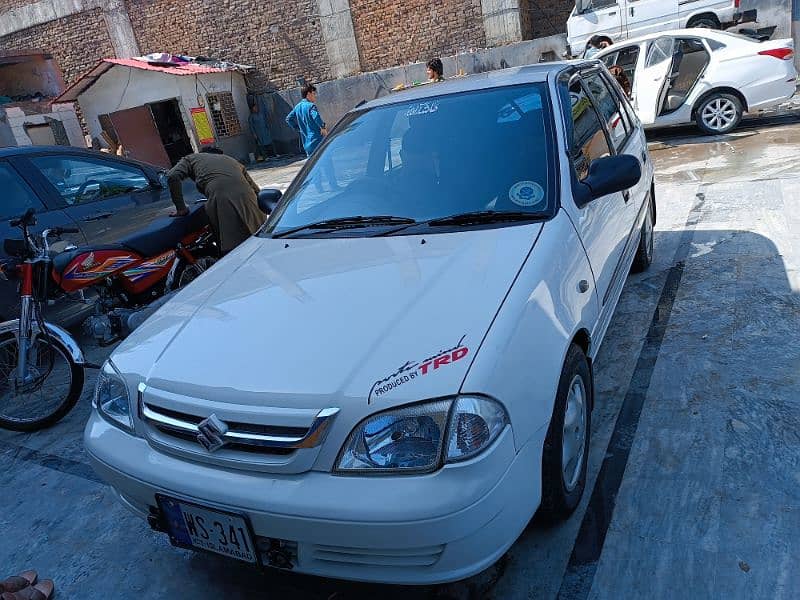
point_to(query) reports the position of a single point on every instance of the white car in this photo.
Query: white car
(615, 20)
(389, 380)
(708, 77)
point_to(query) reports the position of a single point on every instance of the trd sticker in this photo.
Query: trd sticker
(414, 369)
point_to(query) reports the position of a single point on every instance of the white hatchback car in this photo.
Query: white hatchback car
(708, 77)
(389, 380)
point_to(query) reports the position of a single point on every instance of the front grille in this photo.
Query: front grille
(378, 557)
(188, 430)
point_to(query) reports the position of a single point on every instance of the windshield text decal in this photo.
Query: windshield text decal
(414, 369)
(423, 108)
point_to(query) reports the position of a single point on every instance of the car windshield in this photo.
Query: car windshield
(399, 165)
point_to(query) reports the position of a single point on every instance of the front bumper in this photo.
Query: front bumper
(423, 529)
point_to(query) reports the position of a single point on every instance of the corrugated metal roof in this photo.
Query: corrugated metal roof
(88, 80)
(171, 69)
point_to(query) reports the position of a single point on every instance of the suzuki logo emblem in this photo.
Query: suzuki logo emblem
(211, 433)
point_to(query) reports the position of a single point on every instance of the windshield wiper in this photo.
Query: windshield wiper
(482, 217)
(348, 222)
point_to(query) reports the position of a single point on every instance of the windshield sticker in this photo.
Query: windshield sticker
(414, 369)
(423, 108)
(526, 193)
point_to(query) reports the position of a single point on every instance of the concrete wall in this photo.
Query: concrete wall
(122, 87)
(335, 98)
(16, 119)
(772, 12)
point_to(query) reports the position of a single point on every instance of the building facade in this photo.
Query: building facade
(285, 40)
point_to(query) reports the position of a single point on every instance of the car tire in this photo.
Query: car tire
(568, 436)
(719, 114)
(706, 22)
(644, 253)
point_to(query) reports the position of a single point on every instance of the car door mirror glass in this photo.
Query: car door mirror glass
(612, 174)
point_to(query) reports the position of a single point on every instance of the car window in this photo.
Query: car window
(714, 45)
(17, 196)
(82, 180)
(658, 51)
(428, 158)
(608, 107)
(589, 140)
(626, 59)
(598, 4)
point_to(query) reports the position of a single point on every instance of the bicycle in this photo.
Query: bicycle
(41, 365)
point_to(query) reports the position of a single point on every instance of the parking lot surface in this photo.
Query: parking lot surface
(695, 457)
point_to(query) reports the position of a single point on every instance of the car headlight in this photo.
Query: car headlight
(421, 437)
(111, 397)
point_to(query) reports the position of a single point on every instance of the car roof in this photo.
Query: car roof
(25, 150)
(537, 73)
(712, 34)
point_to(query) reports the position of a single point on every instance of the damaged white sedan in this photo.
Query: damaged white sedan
(394, 375)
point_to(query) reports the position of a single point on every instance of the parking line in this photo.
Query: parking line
(50, 461)
(579, 575)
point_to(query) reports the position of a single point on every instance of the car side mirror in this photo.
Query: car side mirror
(268, 199)
(610, 175)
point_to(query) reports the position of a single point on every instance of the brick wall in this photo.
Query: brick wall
(6, 5)
(237, 30)
(391, 32)
(542, 18)
(77, 42)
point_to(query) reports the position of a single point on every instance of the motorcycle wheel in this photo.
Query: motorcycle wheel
(45, 403)
(188, 273)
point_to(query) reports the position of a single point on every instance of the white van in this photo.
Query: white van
(622, 19)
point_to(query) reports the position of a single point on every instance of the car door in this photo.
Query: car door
(643, 17)
(596, 17)
(603, 224)
(652, 80)
(108, 198)
(20, 192)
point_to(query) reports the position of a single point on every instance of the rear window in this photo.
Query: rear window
(431, 158)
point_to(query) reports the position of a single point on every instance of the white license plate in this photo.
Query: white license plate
(193, 526)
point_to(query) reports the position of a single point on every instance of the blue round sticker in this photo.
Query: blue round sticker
(526, 193)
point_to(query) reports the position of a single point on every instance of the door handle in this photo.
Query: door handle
(644, 157)
(97, 217)
(612, 14)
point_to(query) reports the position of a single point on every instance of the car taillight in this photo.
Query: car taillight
(781, 53)
(737, 3)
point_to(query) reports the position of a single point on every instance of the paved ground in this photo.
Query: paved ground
(695, 460)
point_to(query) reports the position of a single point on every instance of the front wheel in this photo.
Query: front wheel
(53, 386)
(186, 273)
(719, 114)
(566, 448)
(644, 253)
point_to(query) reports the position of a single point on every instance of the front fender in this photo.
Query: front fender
(520, 360)
(57, 332)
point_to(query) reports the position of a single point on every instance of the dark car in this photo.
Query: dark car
(106, 197)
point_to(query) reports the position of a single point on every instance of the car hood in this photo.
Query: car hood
(308, 323)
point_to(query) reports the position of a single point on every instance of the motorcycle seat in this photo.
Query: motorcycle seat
(160, 236)
(165, 233)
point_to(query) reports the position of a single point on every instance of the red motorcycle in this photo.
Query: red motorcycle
(130, 275)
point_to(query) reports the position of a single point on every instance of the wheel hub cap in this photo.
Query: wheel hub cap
(574, 435)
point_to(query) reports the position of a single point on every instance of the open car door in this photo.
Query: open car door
(652, 82)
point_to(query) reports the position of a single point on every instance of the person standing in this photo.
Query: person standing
(435, 70)
(306, 119)
(232, 205)
(260, 131)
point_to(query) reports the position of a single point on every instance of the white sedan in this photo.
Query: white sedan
(394, 375)
(708, 77)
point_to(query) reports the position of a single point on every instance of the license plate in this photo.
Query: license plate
(193, 526)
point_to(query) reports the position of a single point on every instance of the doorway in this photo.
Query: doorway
(168, 120)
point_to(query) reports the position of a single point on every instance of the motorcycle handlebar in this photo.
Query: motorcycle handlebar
(60, 230)
(28, 218)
